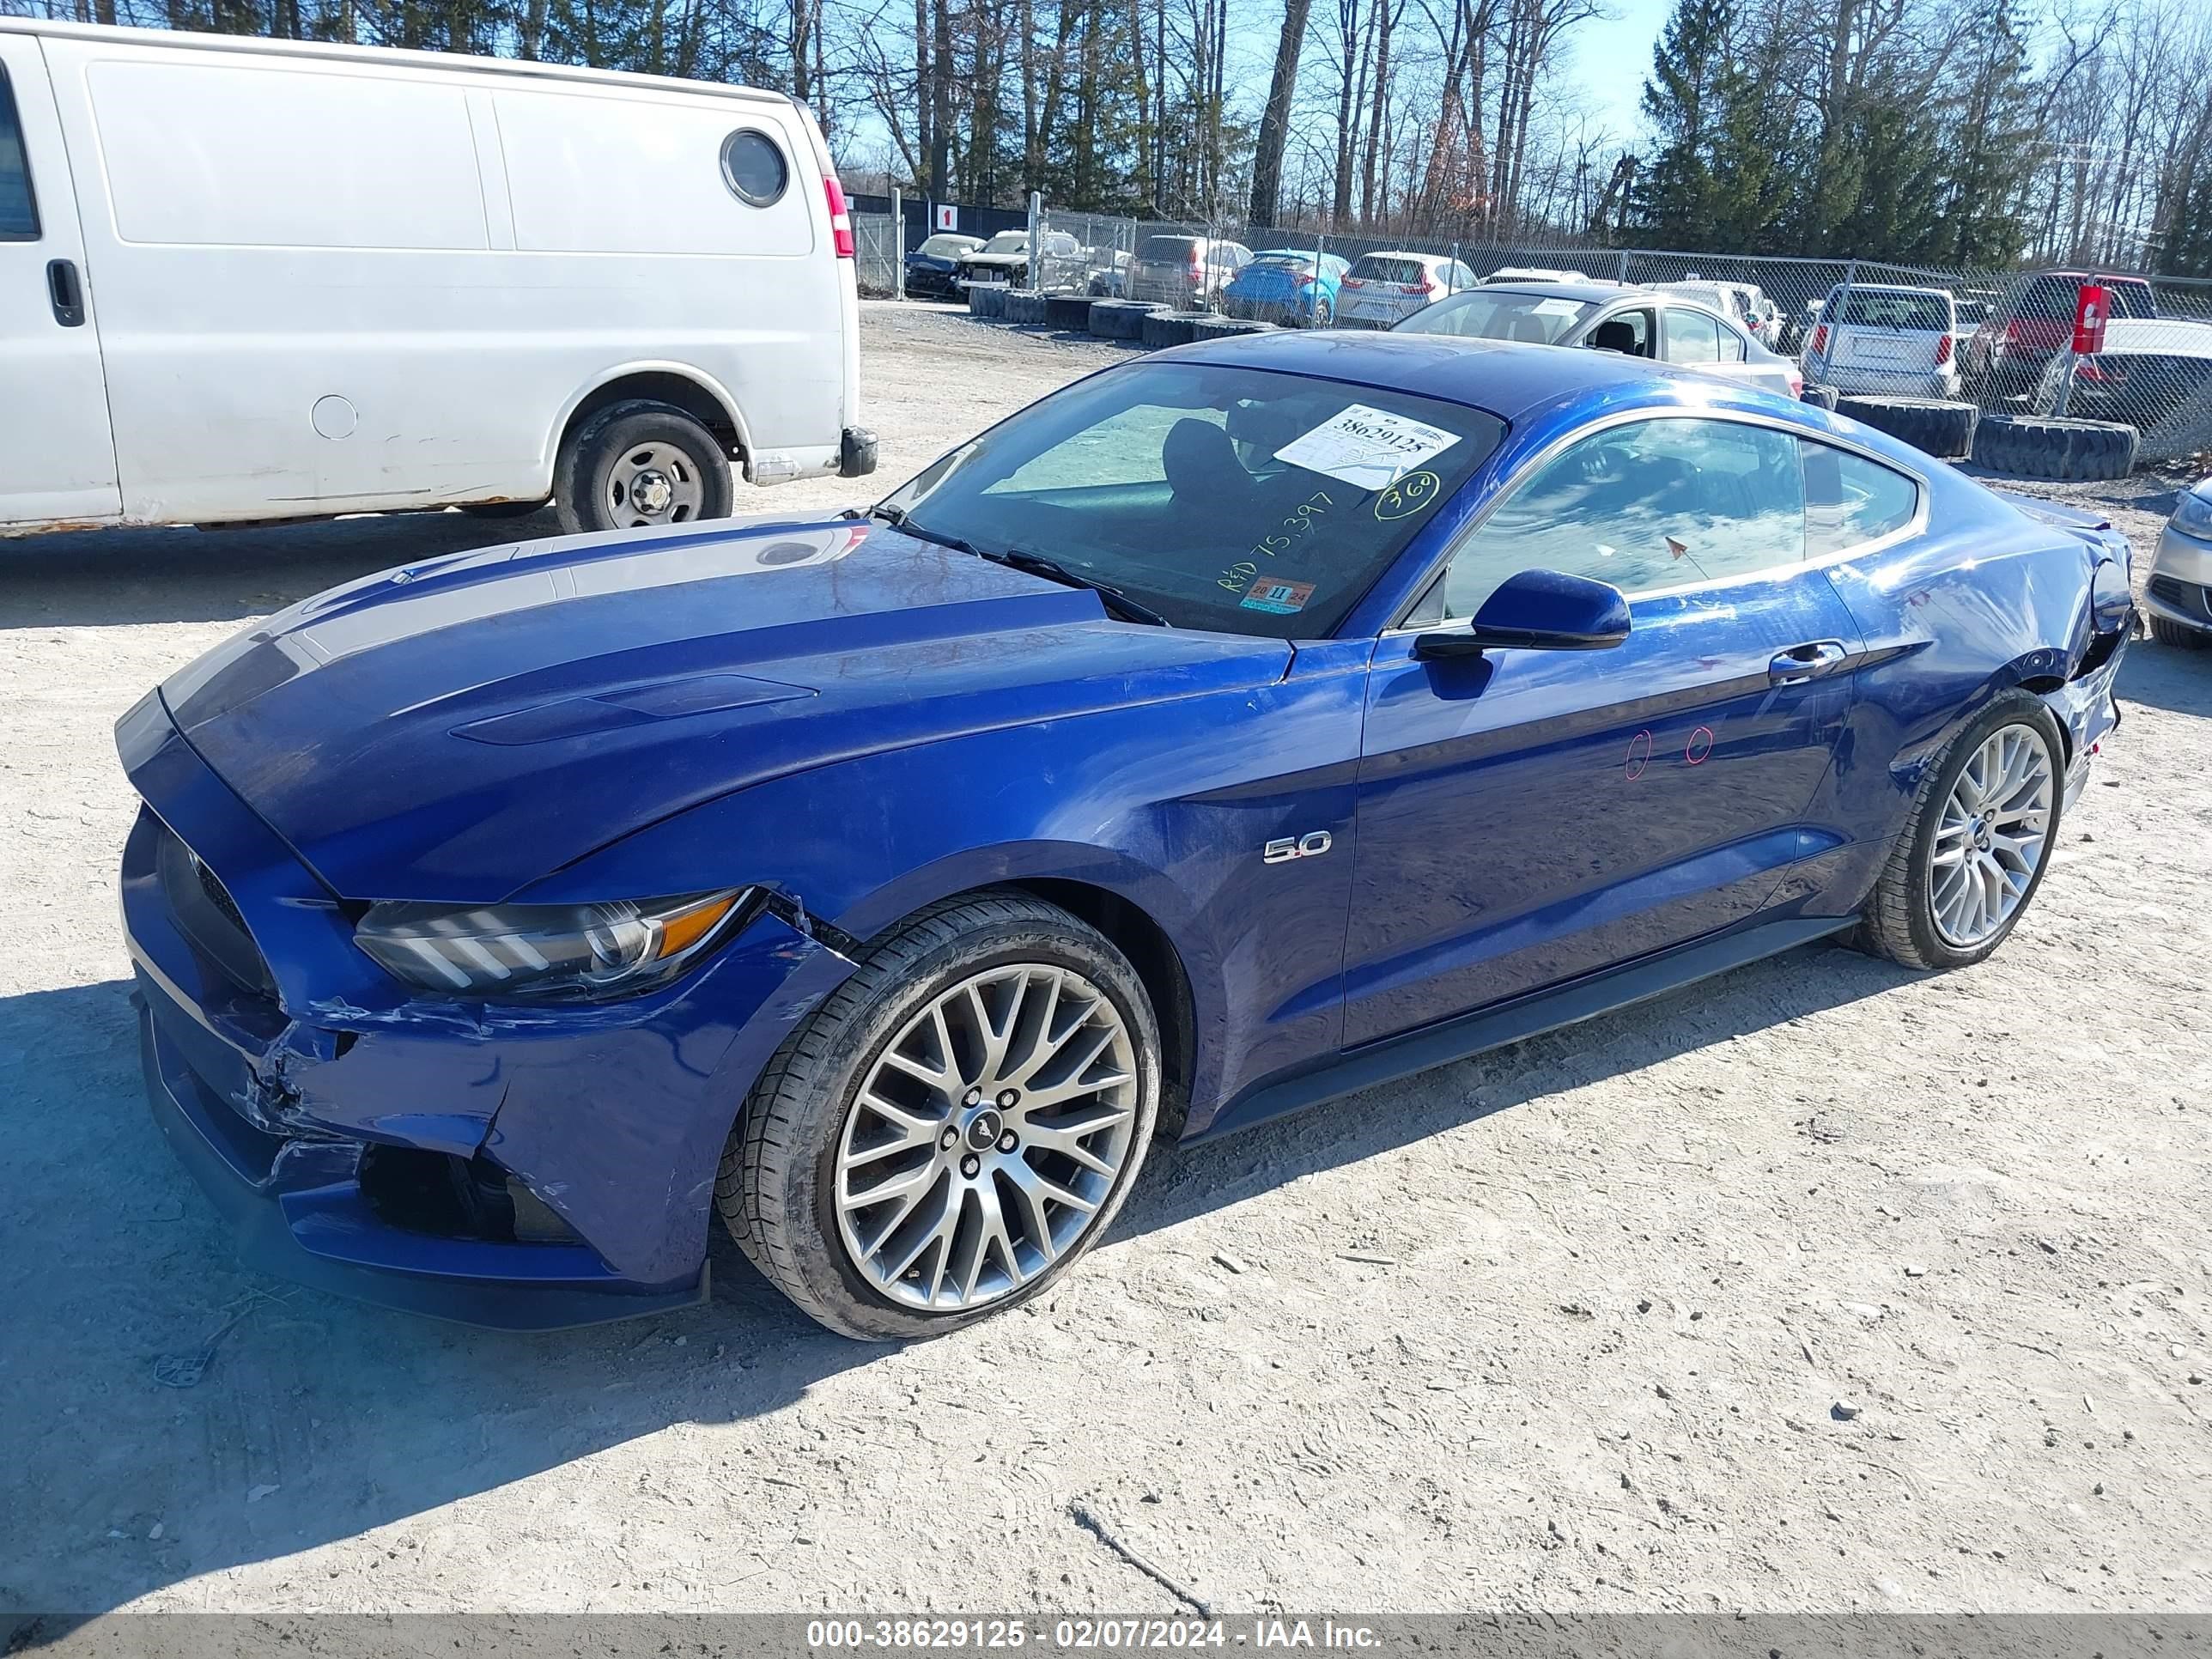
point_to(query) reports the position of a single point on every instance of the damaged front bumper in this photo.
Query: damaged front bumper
(521, 1168)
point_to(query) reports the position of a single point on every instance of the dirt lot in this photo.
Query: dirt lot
(1826, 1286)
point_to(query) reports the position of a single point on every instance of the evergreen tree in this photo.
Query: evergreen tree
(1685, 101)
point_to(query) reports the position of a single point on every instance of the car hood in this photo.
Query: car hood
(996, 261)
(456, 730)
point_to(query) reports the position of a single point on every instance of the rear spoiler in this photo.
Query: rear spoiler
(2056, 512)
(2095, 529)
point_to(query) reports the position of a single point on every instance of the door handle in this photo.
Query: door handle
(1800, 663)
(66, 291)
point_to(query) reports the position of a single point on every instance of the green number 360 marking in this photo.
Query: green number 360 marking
(1408, 496)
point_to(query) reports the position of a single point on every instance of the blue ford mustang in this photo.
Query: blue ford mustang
(1231, 730)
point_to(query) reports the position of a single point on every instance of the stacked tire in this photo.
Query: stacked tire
(2049, 446)
(1934, 426)
(1220, 328)
(1071, 311)
(1121, 319)
(1172, 328)
(1025, 310)
(988, 300)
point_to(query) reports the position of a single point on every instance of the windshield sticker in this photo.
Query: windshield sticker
(1556, 308)
(1368, 448)
(1408, 496)
(1299, 522)
(1273, 593)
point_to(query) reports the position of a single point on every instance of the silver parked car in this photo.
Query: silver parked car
(2181, 573)
(1185, 271)
(1889, 339)
(1635, 322)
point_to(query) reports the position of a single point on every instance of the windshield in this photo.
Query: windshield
(944, 247)
(1236, 500)
(1487, 313)
(1007, 241)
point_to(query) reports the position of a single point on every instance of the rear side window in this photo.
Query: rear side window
(1850, 500)
(1732, 349)
(1691, 337)
(1659, 503)
(754, 168)
(19, 212)
(2132, 300)
(1168, 250)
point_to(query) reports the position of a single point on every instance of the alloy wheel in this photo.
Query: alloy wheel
(987, 1137)
(1991, 836)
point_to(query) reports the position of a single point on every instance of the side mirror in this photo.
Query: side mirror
(1536, 611)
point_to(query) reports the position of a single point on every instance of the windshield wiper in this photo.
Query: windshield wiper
(1036, 564)
(1116, 601)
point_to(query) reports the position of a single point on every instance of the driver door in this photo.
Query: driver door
(57, 453)
(1526, 816)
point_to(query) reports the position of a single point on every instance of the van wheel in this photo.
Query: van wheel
(636, 464)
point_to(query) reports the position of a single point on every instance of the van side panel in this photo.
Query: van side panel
(624, 200)
(202, 154)
(316, 297)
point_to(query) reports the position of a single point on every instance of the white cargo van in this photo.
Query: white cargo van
(247, 279)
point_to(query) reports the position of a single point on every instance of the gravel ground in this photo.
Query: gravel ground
(1826, 1286)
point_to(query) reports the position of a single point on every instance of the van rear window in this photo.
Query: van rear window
(1168, 251)
(19, 214)
(1374, 268)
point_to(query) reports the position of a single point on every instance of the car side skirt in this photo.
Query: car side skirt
(1524, 1017)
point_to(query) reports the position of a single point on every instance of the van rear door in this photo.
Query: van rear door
(57, 453)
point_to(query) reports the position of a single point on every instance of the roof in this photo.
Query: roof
(1509, 379)
(448, 62)
(1590, 290)
(1891, 287)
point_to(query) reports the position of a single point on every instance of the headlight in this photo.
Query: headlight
(546, 952)
(2193, 514)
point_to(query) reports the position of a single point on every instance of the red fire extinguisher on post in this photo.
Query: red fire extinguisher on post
(2090, 308)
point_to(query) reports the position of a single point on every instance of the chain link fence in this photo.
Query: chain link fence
(1997, 338)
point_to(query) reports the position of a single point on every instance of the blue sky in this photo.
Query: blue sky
(1612, 58)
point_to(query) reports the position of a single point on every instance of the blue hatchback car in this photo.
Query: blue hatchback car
(1233, 729)
(1287, 285)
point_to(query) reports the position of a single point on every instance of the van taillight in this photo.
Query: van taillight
(1943, 350)
(1819, 339)
(841, 218)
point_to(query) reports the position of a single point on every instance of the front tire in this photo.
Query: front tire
(953, 1127)
(1974, 848)
(2174, 634)
(637, 465)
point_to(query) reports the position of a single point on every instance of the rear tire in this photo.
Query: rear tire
(1905, 917)
(614, 468)
(2174, 634)
(1934, 426)
(848, 1096)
